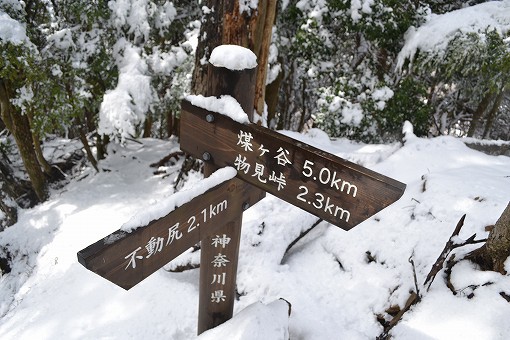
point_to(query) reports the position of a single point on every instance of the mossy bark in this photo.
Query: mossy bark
(18, 124)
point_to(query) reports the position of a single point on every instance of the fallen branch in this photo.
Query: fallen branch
(414, 297)
(448, 248)
(505, 296)
(411, 300)
(163, 161)
(188, 266)
(396, 311)
(183, 268)
(189, 163)
(296, 240)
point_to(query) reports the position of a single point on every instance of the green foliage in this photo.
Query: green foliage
(172, 84)
(376, 112)
(64, 68)
(346, 51)
(408, 103)
(337, 60)
(76, 64)
(17, 63)
(444, 6)
(383, 25)
(170, 91)
(61, 74)
(481, 57)
(473, 66)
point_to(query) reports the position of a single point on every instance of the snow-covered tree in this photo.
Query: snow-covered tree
(462, 58)
(144, 57)
(89, 69)
(20, 41)
(338, 64)
(342, 65)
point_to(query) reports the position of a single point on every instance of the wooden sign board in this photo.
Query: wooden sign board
(126, 258)
(334, 189)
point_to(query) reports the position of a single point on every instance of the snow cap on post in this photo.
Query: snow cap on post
(233, 57)
(232, 71)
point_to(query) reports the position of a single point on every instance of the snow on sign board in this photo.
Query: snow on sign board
(338, 191)
(126, 257)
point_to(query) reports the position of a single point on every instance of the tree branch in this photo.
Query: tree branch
(448, 248)
(296, 240)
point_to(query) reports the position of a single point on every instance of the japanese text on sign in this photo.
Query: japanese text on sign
(324, 176)
(219, 261)
(156, 245)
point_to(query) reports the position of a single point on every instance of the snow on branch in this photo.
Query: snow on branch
(124, 107)
(12, 31)
(434, 35)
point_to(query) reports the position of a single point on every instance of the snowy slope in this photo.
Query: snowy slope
(334, 290)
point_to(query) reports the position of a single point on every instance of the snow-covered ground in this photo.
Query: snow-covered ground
(335, 291)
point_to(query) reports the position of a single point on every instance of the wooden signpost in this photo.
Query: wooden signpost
(338, 191)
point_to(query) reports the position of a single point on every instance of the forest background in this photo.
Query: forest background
(108, 71)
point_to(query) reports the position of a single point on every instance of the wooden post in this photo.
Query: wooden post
(220, 252)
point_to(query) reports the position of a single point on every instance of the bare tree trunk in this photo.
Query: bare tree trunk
(492, 114)
(172, 124)
(147, 126)
(477, 115)
(287, 107)
(85, 142)
(46, 167)
(9, 211)
(266, 18)
(272, 97)
(101, 145)
(19, 126)
(14, 192)
(226, 25)
(493, 254)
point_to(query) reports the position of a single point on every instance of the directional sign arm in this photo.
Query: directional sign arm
(341, 192)
(126, 258)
